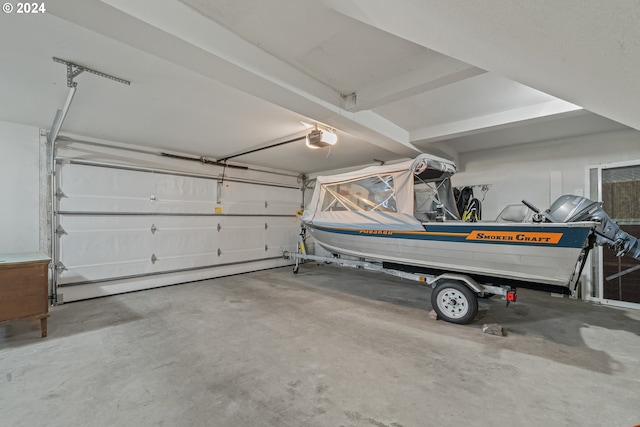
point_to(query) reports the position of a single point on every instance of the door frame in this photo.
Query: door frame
(593, 180)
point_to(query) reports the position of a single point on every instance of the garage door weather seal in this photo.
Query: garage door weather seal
(181, 270)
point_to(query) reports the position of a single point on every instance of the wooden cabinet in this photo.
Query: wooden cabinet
(24, 288)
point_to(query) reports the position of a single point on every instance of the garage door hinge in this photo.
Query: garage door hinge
(266, 225)
(266, 204)
(60, 231)
(266, 248)
(60, 194)
(153, 258)
(219, 252)
(219, 227)
(153, 229)
(60, 267)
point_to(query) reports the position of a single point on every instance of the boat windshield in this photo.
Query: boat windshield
(373, 193)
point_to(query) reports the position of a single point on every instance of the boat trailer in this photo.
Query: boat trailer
(454, 296)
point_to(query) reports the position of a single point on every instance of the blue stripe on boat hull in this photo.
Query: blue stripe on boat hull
(447, 247)
(572, 237)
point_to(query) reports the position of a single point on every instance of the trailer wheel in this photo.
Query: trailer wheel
(295, 269)
(454, 302)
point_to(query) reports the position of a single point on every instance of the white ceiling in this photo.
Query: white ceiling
(219, 77)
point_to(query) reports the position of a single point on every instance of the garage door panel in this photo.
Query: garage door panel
(96, 248)
(107, 239)
(89, 246)
(98, 189)
(186, 243)
(184, 194)
(238, 198)
(235, 238)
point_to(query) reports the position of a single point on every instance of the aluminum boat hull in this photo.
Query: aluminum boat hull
(545, 253)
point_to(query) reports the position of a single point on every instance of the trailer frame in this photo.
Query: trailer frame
(447, 296)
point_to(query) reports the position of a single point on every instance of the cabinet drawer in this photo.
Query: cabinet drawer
(23, 290)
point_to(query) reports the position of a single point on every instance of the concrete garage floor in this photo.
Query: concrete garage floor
(330, 346)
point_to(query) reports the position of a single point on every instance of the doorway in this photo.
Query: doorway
(617, 186)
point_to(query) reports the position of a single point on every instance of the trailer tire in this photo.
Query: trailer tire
(296, 269)
(454, 302)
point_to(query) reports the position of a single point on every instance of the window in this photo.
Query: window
(375, 193)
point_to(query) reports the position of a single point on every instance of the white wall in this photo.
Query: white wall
(19, 188)
(539, 172)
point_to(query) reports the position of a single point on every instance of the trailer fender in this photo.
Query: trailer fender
(468, 281)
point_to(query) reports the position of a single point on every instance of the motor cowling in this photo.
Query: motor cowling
(571, 208)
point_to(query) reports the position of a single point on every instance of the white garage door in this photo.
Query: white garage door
(121, 229)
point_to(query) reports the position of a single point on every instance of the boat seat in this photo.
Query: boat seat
(515, 213)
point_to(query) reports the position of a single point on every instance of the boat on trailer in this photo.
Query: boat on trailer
(403, 218)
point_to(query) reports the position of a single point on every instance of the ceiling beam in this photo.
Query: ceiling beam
(584, 52)
(173, 31)
(414, 82)
(494, 121)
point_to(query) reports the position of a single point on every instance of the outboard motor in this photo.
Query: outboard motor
(570, 208)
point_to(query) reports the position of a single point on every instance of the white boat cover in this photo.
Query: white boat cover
(376, 197)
